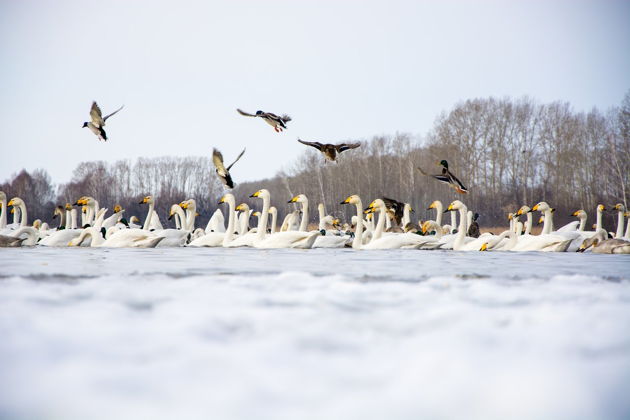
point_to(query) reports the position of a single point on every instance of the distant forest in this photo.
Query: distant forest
(508, 152)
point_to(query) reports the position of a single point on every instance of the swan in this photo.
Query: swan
(28, 234)
(171, 237)
(394, 241)
(217, 239)
(274, 219)
(601, 245)
(177, 213)
(546, 241)
(503, 242)
(114, 218)
(627, 234)
(125, 238)
(290, 221)
(243, 218)
(324, 240)
(463, 242)
(247, 238)
(19, 203)
(288, 239)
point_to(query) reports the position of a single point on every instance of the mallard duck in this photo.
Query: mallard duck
(448, 178)
(330, 151)
(222, 172)
(473, 229)
(278, 123)
(98, 121)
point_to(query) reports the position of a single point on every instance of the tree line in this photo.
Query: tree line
(507, 152)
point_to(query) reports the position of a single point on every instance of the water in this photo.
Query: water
(317, 334)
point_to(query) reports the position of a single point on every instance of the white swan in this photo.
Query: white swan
(3, 211)
(171, 237)
(247, 238)
(394, 241)
(19, 203)
(324, 240)
(217, 239)
(125, 238)
(463, 242)
(546, 241)
(114, 218)
(289, 239)
(216, 222)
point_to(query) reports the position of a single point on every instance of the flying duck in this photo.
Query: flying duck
(448, 178)
(222, 172)
(278, 123)
(98, 121)
(330, 151)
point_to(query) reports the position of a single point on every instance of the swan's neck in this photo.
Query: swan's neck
(304, 222)
(62, 219)
(322, 214)
(73, 218)
(528, 225)
(147, 221)
(229, 233)
(94, 234)
(406, 216)
(190, 219)
(382, 217)
(274, 221)
(582, 223)
(23, 215)
(388, 221)
(454, 220)
(620, 223)
(469, 217)
(548, 222)
(3, 213)
(598, 224)
(357, 242)
(439, 209)
(180, 216)
(627, 235)
(461, 230)
(262, 221)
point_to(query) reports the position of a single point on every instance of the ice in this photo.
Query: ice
(312, 334)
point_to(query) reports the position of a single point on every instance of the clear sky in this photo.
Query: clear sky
(342, 69)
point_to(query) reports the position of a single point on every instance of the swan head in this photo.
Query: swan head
(68, 206)
(261, 193)
(134, 219)
(436, 204)
(377, 204)
(242, 207)
(256, 213)
(147, 200)
(456, 205)
(620, 207)
(81, 201)
(601, 207)
(523, 210)
(542, 206)
(37, 223)
(579, 213)
(408, 207)
(15, 202)
(300, 198)
(58, 212)
(117, 208)
(227, 198)
(353, 199)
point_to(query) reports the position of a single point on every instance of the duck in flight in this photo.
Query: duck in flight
(98, 121)
(330, 151)
(222, 171)
(278, 123)
(448, 178)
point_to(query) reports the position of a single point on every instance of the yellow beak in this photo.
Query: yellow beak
(11, 203)
(484, 247)
(535, 207)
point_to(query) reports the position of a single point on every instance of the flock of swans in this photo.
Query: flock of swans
(364, 231)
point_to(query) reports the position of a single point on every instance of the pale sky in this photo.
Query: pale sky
(342, 69)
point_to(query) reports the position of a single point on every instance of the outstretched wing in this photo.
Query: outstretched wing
(346, 146)
(314, 144)
(96, 115)
(217, 159)
(285, 118)
(239, 156)
(396, 206)
(246, 114)
(109, 115)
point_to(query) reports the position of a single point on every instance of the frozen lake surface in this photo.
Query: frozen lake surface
(319, 334)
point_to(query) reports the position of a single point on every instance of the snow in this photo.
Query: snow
(312, 334)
